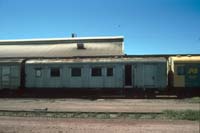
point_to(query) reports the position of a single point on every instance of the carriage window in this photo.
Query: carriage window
(55, 72)
(76, 72)
(180, 70)
(109, 71)
(38, 72)
(96, 71)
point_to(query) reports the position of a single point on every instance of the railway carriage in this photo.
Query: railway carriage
(94, 63)
(186, 73)
(101, 73)
(73, 73)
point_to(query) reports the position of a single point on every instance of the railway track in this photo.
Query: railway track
(44, 113)
(70, 114)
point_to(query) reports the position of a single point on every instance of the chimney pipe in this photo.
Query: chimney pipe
(74, 35)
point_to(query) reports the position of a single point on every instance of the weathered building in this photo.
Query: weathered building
(62, 47)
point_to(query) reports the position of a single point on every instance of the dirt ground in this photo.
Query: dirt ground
(99, 105)
(49, 125)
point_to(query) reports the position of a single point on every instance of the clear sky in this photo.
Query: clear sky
(148, 26)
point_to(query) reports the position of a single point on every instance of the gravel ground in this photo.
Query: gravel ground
(47, 125)
(100, 105)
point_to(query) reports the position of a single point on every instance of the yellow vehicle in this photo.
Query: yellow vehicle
(186, 72)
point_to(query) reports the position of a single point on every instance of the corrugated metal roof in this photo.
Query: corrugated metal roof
(61, 47)
(95, 60)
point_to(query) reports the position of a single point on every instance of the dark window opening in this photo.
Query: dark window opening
(55, 72)
(96, 71)
(110, 71)
(128, 75)
(76, 72)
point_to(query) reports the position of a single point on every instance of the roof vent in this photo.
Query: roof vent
(80, 46)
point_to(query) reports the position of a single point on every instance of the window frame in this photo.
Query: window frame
(55, 75)
(96, 74)
(109, 74)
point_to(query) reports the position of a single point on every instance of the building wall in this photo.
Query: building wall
(66, 47)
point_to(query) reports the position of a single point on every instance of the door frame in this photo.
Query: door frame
(128, 76)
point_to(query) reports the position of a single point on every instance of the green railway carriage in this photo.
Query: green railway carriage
(103, 73)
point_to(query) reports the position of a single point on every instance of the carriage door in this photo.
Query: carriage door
(5, 77)
(149, 75)
(128, 75)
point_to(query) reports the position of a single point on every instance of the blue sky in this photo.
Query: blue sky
(149, 26)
